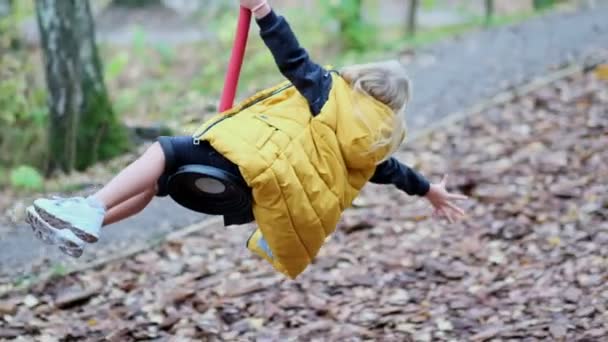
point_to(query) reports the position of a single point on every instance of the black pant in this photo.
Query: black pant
(181, 150)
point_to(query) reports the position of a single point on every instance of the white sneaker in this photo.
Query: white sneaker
(77, 214)
(68, 242)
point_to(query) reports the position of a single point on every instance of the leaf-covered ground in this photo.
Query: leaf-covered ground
(529, 263)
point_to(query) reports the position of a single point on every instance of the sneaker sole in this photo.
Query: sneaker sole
(40, 233)
(47, 234)
(60, 224)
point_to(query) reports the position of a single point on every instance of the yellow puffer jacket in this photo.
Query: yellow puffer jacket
(304, 171)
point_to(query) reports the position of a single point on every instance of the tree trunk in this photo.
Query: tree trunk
(489, 4)
(411, 18)
(83, 127)
(136, 3)
(542, 4)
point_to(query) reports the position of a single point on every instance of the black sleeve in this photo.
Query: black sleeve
(309, 78)
(394, 172)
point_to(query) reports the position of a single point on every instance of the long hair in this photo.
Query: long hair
(388, 83)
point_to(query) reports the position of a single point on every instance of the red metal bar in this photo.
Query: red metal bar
(236, 60)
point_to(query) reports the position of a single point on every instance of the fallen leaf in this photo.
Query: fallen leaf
(75, 297)
(30, 301)
(601, 72)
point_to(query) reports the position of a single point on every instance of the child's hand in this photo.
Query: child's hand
(441, 200)
(259, 8)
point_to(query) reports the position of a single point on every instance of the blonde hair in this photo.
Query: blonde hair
(388, 83)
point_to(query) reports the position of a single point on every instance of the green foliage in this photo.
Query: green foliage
(258, 66)
(24, 113)
(125, 100)
(116, 66)
(23, 110)
(3, 176)
(8, 28)
(167, 54)
(543, 4)
(428, 4)
(355, 33)
(26, 178)
(139, 42)
(135, 3)
(20, 9)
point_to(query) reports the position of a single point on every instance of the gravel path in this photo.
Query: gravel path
(23, 256)
(448, 77)
(454, 75)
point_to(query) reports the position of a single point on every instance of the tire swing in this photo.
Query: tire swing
(208, 189)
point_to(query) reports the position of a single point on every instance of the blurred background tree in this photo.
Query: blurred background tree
(411, 17)
(354, 32)
(5, 11)
(489, 9)
(135, 3)
(7, 25)
(83, 127)
(542, 4)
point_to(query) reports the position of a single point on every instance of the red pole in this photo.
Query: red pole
(236, 60)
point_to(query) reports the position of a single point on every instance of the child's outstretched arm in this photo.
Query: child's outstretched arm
(391, 171)
(309, 78)
(404, 178)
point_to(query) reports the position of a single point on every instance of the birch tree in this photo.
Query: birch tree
(83, 128)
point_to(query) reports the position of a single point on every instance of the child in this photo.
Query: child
(302, 150)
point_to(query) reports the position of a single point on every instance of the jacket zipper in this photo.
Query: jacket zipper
(197, 138)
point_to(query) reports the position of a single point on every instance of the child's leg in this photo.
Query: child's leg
(85, 217)
(137, 178)
(130, 207)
